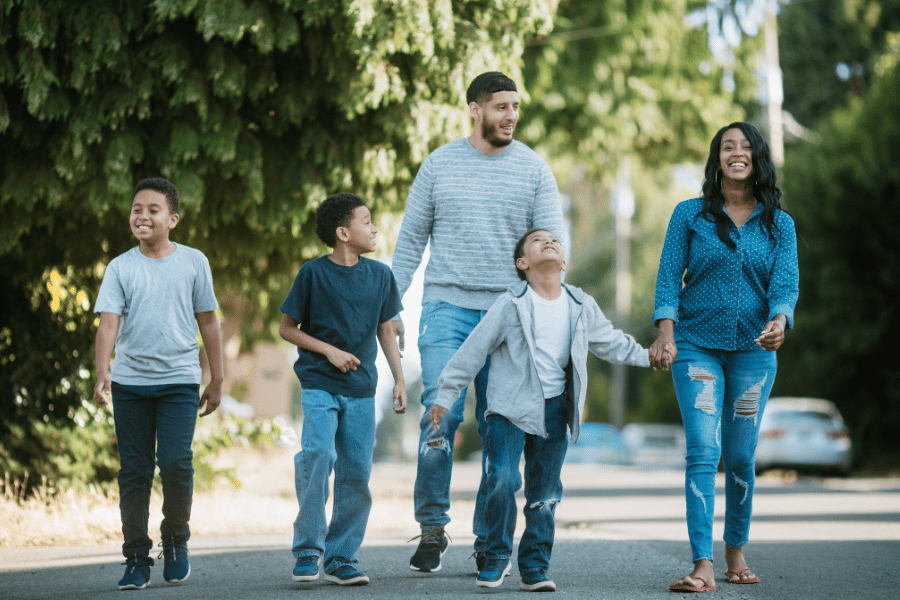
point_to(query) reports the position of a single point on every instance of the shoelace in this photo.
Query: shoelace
(431, 537)
(174, 551)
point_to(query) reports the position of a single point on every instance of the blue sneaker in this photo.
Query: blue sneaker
(177, 567)
(347, 575)
(137, 573)
(492, 574)
(306, 569)
(537, 582)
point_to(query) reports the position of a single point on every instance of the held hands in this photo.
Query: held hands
(436, 414)
(400, 397)
(772, 335)
(344, 361)
(662, 354)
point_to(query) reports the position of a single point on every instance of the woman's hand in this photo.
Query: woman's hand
(773, 335)
(663, 351)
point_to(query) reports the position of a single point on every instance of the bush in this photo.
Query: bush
(83, 453)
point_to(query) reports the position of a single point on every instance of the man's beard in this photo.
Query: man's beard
(489, 134)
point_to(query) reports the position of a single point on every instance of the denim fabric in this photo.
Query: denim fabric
(158, 418)
(505, 444)
(442, 330)
(338, 434)
(722, 395)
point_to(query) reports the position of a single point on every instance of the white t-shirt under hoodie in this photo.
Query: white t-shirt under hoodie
(552, 341)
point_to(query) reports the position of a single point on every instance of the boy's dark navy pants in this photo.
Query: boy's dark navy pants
(156, 419)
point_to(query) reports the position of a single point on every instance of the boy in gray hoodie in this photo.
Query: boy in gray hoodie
(538, 335)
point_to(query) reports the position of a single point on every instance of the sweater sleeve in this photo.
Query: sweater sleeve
(416, 228)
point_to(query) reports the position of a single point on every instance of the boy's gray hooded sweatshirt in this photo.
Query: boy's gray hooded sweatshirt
(514, 389)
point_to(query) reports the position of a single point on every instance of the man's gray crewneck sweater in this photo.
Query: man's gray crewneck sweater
(474, 207)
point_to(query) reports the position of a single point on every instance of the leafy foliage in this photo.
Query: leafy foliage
(629, 77)
(845, 196)
(85, 452)
(255, 109)
(828, 52)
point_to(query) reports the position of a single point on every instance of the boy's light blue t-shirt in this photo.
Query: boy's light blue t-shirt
(157, 300)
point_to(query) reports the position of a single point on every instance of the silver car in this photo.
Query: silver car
(656, 445)
(805, 433)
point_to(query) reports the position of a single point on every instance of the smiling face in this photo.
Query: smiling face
(539, 250)
(360, 233)
(151, 220)
(496, 119)
(736, 156)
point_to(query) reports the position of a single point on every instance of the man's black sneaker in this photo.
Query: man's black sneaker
(432, 545)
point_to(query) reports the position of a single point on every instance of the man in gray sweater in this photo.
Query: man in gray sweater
(472, 200)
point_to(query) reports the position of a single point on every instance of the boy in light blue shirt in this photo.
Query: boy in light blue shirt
(151, 301)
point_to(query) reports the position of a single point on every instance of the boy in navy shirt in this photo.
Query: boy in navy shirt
(340, 302)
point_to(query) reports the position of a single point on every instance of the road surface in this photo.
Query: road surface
(620, 535)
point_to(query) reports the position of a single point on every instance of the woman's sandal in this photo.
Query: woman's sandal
(737, 576)
(680, 586)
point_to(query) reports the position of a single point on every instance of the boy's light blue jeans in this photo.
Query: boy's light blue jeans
(155, 420)
(504, 445)
(722, 395)
(443, 328)
(338, 434)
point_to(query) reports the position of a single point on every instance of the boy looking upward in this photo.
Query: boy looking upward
(538, 335)
(151, 301)
(471, 200)
(341, 303)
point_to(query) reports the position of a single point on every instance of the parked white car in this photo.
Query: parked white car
(803, 433)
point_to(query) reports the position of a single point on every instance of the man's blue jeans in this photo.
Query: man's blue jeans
(156, 419)
(443, 328)
(544, 457)
(338, 434)
(722, 395)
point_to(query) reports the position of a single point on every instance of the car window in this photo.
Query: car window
(798, 417)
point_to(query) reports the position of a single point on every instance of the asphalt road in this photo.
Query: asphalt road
(621, 535)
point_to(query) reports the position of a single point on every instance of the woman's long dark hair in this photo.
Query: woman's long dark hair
(764, 189)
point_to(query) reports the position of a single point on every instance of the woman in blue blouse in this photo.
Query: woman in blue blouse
(725, 294)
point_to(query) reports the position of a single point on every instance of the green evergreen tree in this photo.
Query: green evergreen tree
(828, 52)
(845, 196)
(256, 110)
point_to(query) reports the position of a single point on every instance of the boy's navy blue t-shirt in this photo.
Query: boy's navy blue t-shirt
(342, 306)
